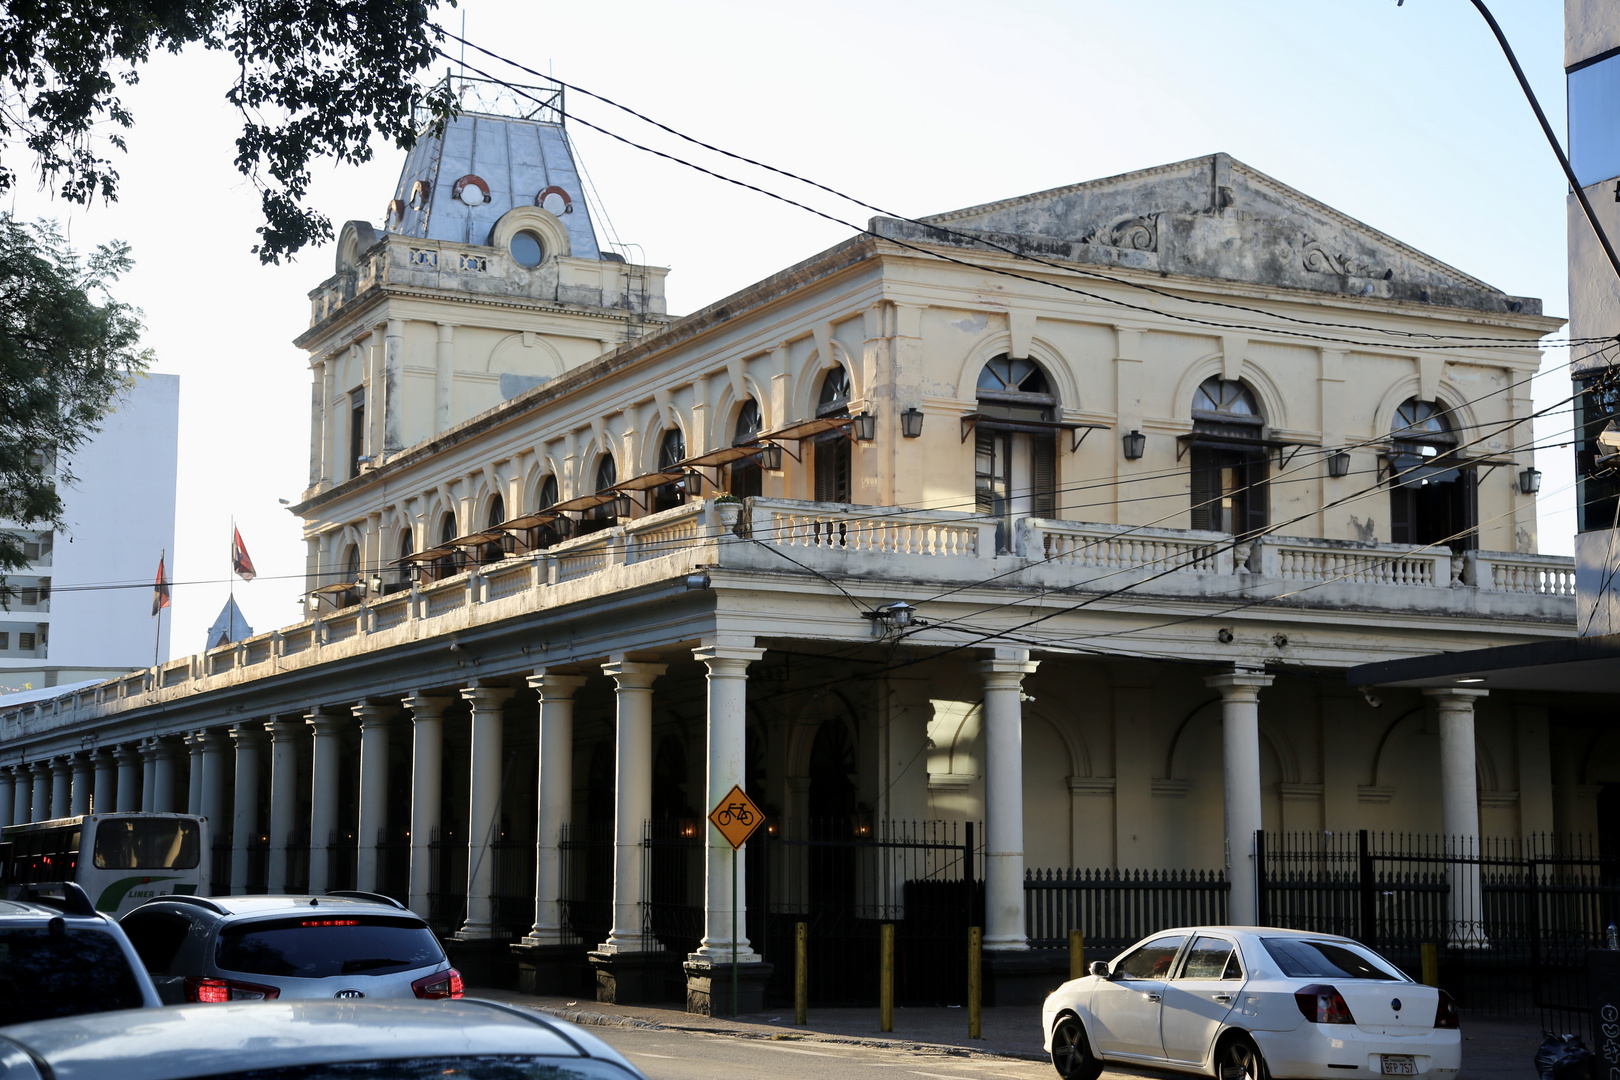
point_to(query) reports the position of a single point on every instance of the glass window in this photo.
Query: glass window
(527, 249)
(1151, 961)
(146, 844)
(746, 478)
(1207, 959)
(157, 936)
(317, 946)
(1597, 482)
(1594, 121)
(45, 975)
(1303, 958)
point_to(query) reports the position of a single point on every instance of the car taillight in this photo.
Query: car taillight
(1445, 1012)
(216, 990)
(1322, 1004)
(441, 984)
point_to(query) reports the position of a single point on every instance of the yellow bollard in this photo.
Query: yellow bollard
(1431, 964)
(975, 986)
(801, 974)
(886, 976)
(1077, 954)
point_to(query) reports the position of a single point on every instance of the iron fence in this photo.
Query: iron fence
(394, 865)
(258, 864)
(219, 867)
(586, 853)
(298, 864)
(1114, 908)
(447, 893)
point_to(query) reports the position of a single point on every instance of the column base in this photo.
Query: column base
(635, 978)
(708, 987)
(1022, 976)
(483, 962)
(553, 969)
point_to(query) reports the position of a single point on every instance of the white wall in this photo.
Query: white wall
(120, 516)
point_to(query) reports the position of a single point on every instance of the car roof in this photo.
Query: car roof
(207, 1040)
(284, 905)
(32, 909)
(1253, 931)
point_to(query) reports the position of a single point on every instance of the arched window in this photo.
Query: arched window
(407, 548)
(546, 535)
(448, 564)
(1014, 452)
(746, 478)
(1431, 501)
(600, 517)
(351, 576)
(831, 450)
(671, 452)
(496, 551)
(1229, 465)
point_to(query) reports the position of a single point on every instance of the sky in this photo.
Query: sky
(1405, 117)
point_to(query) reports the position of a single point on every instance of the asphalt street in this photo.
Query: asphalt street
(686, 1055)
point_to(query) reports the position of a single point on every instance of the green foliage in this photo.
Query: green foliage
(315, 79)
(67, 352)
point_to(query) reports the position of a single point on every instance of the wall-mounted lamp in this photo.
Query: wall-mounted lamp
(1339, 463)
(697, 580)
(376, 584)
(1135, 444)
(911, 422)
(1529, 481)
(863, 427)
(622, 505)
(770, 457)
(898, 615)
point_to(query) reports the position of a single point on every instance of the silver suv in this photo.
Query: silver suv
(257, 948)
(61, 957)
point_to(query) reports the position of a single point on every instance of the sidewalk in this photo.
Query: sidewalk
(1493, 1048)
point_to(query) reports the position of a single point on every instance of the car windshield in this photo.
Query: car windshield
(317, 946)
(1304, 958)
(482, 1067)
(146, 844)
(45, 975)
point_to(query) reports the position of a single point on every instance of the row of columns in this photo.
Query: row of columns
(132, 777)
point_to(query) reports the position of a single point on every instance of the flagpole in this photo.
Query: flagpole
(230, 615)
(157, 641)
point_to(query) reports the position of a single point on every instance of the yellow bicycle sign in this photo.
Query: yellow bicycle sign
(736, 817)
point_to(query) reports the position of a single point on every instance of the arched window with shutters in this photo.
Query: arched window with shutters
(351, 576)
(495, 551)
(1431, 500)
(601, 517)
(1015, 448)
(1228, 459)
(448, 564)
(671, 452)
(544, 536)
(831, 450)
(401, 578)
(745, 477)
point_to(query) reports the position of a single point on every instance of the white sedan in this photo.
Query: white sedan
(1247, 1003)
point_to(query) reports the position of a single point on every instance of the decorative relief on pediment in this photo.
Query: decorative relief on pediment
(1137, 233)
(1319, 260)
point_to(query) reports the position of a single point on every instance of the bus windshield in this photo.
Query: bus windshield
(146, 844)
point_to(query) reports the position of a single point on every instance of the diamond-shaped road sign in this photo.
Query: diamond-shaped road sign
(736, 817)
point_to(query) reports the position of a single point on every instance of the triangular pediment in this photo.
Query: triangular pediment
(1215, 217)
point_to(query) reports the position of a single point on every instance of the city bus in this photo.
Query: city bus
(120, 860)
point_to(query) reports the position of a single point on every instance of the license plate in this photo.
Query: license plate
(1400, 1065)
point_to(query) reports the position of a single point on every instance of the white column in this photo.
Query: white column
(249, 740)
(42, 791)
(1004, 797)
(148, 749)
(285, 734)
(727, 662)
(8, 791)
(83, 771)
(128, 798)
(484, 806)
(427, 763)
(323, 797)
(194, 778)
(216, 769)
(374, 720)
(162, 777)
(444, 385)
(1240, 755)
(22, 794)
(1459, 808)
(632, 804)
(62, 787)
(556, 787)
(105, 797)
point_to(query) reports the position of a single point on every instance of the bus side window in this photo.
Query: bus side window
(157, 937)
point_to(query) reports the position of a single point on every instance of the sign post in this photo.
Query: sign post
(735, 817)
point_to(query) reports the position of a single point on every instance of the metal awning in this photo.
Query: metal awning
(1230, 442)
(529, 521)
(584, 502)
(337, 587)
(724, 456)
(1039, 427)
(806, 429)
(1409, 470)
(477, 539)
(648, 481)
(429, 555)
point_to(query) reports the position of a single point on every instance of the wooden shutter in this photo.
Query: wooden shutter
(1256, 498)
(1206, 488)
(1043, 475)
(832, 469)
(984, 471)
(1401, 514)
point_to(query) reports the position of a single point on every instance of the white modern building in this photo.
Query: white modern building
(119, 517)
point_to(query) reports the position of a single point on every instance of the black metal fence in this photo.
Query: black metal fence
(447, 895)
(219, 866)
(586, 853)
(1114, 908)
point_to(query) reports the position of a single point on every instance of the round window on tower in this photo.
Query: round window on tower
(527, 249)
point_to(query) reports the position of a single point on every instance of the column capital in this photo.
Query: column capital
(633, 674)
(1454, 697)
(1006, 662)
(486, 697)
(1239, 684)
(104, 755)
(285, 728)
(124, 754)
(374, 714)
(160, 749)
(81, 763)
(727, 658)
(214, 739)
(327, 720)
(250, 733)
(555, 685)
(40, 768)
(427, 706)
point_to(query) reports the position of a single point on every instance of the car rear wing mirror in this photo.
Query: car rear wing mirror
(1099, 968)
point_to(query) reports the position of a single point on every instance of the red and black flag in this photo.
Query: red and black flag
(240, 563)
(160, 590)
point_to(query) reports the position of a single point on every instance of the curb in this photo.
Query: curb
(597, 1019)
